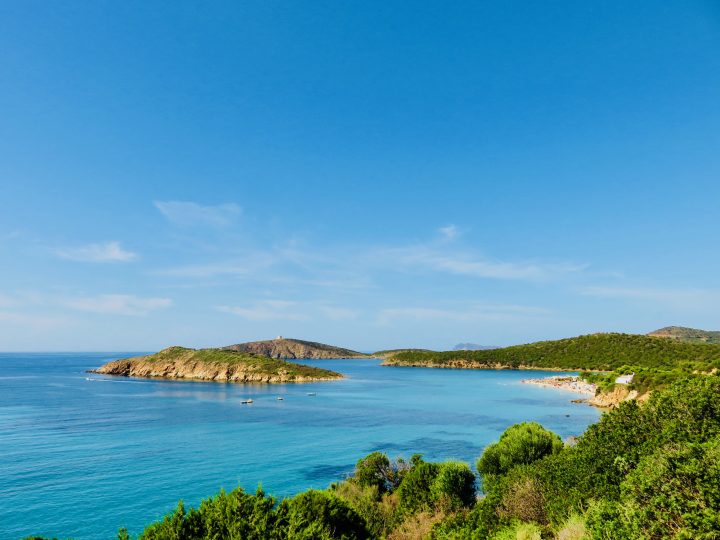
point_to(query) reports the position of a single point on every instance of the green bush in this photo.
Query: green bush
(321, 515)
(234, 515)
(415, 491)
(519, 531)
(520, 444)
(454, 485)
(676, 491)
(378, 511)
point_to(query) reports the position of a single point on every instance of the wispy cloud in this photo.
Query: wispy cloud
(106, 252)
(469, 264)
(449, 232)
(680, 298)
(116, 304)
(267, 310)
(185, 213)
(250, 265)
(472, 313)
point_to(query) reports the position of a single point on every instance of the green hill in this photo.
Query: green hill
(688, 335)
(605, 352)
(281, 347)
(392, 352)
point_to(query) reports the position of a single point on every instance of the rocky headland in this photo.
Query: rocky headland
(281, 347)
(215, 365)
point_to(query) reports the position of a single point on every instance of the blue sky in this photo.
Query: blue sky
(369, 174)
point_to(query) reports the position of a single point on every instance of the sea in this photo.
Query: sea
(82, 454)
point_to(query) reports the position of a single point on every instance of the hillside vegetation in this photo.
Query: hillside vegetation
(295, 348)
(689, 335)
(214, 365)
(591, 352)
(392, 352)
(648, 471)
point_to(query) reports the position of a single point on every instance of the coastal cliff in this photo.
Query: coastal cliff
(215, 365)
(615, 396)
(295, 348)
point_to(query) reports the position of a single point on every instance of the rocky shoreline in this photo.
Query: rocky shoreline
(215, 365)
(601, 400)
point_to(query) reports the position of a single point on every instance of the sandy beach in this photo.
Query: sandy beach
(560, 382)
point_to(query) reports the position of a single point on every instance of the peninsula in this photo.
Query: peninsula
(287, 348)
(605, 360)
(594, 352)
(215, 365)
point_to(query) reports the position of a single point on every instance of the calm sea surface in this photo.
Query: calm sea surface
(80, 458)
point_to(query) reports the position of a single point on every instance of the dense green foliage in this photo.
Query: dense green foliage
(644, 471)
(592, 352)
(521, 444)
(392, 352)
(376, 470)
(656, 362)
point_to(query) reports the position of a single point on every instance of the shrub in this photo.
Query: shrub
(519, 531)
(573, 529)
(378, 511)
(454, 485)
(318, 514)
(676, 492)
(520, 444)
(375, 470)
(523, 500)
(415, 491)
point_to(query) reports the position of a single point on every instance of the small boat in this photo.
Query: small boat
(246, 401)
(280, 398)
(312, 393)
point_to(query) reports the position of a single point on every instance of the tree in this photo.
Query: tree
(520, 444)
(454, 485)
(320, 515)
(375, 470)
(415, 491)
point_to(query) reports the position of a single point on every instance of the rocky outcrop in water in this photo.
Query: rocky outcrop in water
(215, 365)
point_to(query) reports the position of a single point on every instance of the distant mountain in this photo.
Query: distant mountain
(688, 335)
(472, 347)
(281, 347)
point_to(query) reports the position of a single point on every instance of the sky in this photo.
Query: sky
(367, 174)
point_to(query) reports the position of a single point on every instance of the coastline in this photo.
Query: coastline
(462, 364)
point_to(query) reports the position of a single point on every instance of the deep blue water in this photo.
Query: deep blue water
(80, 458)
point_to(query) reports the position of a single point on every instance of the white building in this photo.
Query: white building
(624, 379)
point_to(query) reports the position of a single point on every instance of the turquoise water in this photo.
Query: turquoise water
(80, 458)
